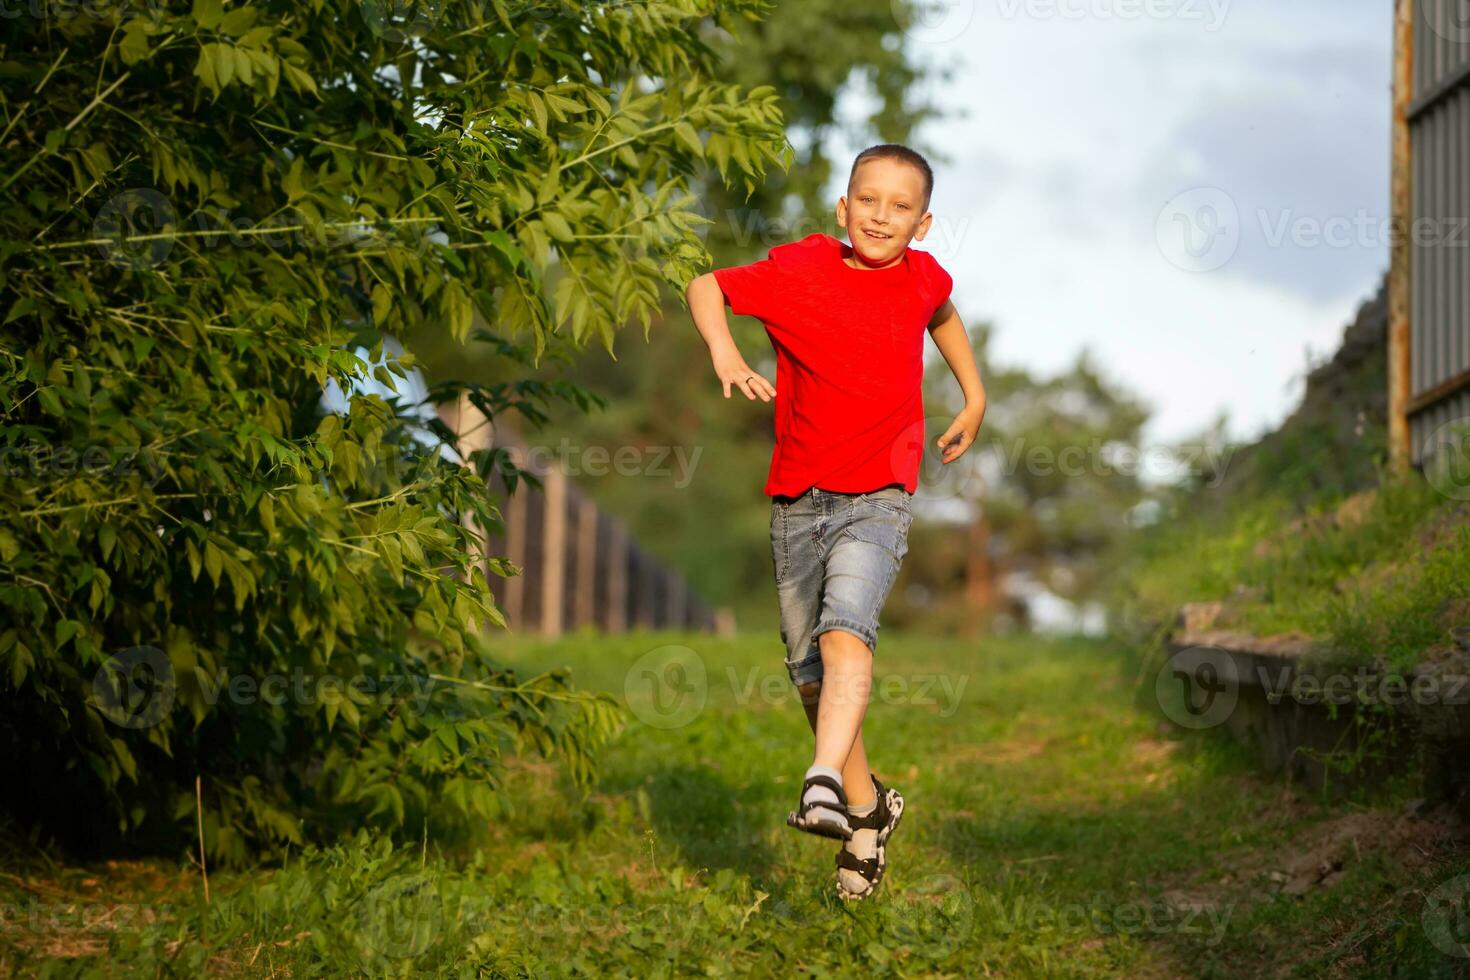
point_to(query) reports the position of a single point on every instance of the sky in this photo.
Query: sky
(1196, 191)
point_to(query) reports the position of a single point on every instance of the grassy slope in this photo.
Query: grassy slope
(1051, 832)
(1379, 575)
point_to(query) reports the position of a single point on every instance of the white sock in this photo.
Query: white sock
(864, 845)
(821, 794)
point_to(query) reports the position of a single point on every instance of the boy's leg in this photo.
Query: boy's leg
(857, 778)
(847, 679)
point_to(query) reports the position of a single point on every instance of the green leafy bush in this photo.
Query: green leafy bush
(206, 212)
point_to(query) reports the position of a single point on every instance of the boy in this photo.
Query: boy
(847, 323)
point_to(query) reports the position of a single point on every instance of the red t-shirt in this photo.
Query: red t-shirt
(849, 361)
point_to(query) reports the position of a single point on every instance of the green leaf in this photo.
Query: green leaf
(538, 110)
(690, 138)
(213, 562)
(208, 13)
(134, 44)
(382, 303)
(206, 69)
(560, 230)
(22, 662)
(238, 21)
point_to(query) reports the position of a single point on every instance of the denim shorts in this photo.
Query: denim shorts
(835, 556)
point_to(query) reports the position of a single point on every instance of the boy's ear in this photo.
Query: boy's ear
(842, 210)
(924, 224)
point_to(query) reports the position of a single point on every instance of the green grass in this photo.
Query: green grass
(1052, 831)
(1382, 587)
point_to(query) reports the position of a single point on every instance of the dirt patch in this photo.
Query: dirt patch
(1321, 857)
(1149, 750)
(76, 912)
(1005, 752)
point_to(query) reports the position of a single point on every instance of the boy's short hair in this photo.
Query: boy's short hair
(901, 153)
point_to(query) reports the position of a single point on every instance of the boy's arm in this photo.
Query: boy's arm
(707, 307)
(950, 337)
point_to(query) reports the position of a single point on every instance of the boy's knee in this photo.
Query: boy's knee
(843, 647)
(810, 692)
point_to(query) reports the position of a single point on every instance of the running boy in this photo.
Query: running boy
(847, 323)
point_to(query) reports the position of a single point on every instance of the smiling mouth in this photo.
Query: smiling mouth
(876, 235)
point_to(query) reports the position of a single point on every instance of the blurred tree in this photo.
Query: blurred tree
(1047, 492)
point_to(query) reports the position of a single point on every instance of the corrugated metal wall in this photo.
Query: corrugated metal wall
(1439, 124)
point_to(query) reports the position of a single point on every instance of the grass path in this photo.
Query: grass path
(1053, 830)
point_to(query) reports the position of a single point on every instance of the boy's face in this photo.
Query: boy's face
(885, 210)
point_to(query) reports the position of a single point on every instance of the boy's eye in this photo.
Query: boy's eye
(904, 206)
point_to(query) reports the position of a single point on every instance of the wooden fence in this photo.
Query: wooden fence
(580, 567)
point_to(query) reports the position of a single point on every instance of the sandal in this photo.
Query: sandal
(884, 819)
(800, 818)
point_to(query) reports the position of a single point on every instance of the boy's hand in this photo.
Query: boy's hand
(960, 435)
(732, 370)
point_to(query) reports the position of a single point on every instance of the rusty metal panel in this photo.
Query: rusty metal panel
(1453, 411)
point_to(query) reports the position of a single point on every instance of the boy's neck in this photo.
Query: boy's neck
(856, 261)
